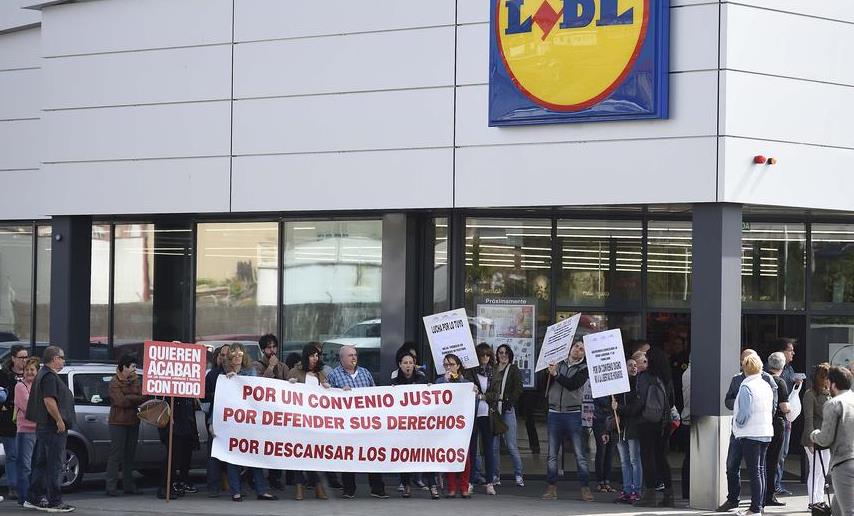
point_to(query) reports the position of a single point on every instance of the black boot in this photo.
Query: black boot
(667, 500)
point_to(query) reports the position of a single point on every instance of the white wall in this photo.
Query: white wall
(789, 93)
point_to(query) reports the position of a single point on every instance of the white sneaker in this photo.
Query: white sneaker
(400, 487)
(519, 481)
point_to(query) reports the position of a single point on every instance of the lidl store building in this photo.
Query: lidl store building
(212, 170)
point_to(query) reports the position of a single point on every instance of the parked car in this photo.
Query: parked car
(89, 439)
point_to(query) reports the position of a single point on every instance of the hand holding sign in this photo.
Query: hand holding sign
(557, 342)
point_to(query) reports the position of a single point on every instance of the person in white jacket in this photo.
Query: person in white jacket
(753, 429)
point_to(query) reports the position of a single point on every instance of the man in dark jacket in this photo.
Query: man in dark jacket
(565, 392)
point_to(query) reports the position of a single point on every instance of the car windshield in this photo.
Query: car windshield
(363, 330)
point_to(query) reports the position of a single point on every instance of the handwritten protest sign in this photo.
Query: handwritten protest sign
(174, 369)
(557, 342)
(265, 423)
(606, 362)
(449, 332)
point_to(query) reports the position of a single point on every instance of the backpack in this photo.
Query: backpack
(655, 405)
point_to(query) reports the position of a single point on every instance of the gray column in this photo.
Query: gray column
(715, 344)
(399, 301)
(70, 277)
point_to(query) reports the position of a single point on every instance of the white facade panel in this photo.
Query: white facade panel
(616, 172)
(148, 186)
(694, 44)
(274, 19)
(775, 108)
(693, 112)
(347, 63)
(831, 9)
(20, 49)
(790, 45)
(120, 25)
(20, 94)
(357, 121)
(13, 17)
(14, 201)
(344, 181)
(173, 75)
(159, 131)
(20, 144)
(807, 176)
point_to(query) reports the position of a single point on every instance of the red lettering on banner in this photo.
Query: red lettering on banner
(372, 454)
(366, 423)
(239, 415)
(434, 397)
(259, 393)
(296, 420)
(243, 445)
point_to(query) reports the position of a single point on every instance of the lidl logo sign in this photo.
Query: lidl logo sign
(555, 61)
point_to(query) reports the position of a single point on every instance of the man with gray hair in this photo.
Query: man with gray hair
(837, 433)
(776, 363)
(348, 375)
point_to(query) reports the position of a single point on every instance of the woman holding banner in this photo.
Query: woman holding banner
(454, 374)
(309, 371)
(237, 364)
(507, 388)
(482, 377)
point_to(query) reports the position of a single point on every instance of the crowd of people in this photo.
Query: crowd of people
(38, 408)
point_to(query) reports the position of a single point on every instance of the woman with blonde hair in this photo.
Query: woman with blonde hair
(753, 428)
(813, 405)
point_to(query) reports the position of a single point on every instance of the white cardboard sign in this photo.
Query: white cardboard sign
(557, 342)
(606, 362)
(449, 332)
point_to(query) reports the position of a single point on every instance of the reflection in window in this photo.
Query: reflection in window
(332, 287)
(833, 266)
(600, 262)
(134, 284)
(237, 280)
(669, 264)
(99, 289)
(773, 263)
(441, 271)
(832, 339)
(16, 272)
(43, 284)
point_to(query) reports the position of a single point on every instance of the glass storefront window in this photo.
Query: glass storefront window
(441, 271)
(832, 339)
(99, 290)
(592, 322)
(669, 264)
(773, 266)
(833, 266)
(600, 263)
(237, 281)
(332, 287)
(133, 310)
(16, 273)
(43, 285)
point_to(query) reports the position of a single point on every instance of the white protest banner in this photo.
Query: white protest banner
(449, 332)
(557, 342)
(174, 369)
(266, 423)
(606, 362)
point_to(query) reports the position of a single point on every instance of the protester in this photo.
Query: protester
(185, 439)
(788, 374)
(215, 466)
(125, 398)
(269, 366)
(236, 363)
(640, 358)
(652, 407)
(51, 408)
(349, 375)
(26, 437)
(753, 428)
(565, 391)
(409, 347)
(507, 388)
(734, 451)
(776, 362)
(837, 433)
(628, 443)
(11, 373)
(309, 370)
(482, 377)
(813, 405)
(457, 482)
(604, 432)
(685, 415)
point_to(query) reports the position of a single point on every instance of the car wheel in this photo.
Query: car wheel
(75, 465)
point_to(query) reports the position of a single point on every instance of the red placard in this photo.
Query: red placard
(174, 369)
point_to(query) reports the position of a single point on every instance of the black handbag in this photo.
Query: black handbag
(821, 508)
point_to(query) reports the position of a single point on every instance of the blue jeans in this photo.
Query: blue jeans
(483, 429)
(734, 455)
(754, 457)
(630, 460)
(214, 473)
(784, 451)
(234, 480)
(509, 417)
(11, 459)
(604, 451)
(562, 426)
(48, 460)
(26, 443)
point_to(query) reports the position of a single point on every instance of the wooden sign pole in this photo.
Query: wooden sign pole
(169, 449)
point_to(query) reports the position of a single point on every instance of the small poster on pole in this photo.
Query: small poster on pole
(174, 369)
(606, 362)
(557, 342)
(449, 332)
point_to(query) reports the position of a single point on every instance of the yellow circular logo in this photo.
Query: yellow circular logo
(568, 55)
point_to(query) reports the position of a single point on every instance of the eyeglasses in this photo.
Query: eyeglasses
(18, 356)
(448, 364)
(502, 352)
